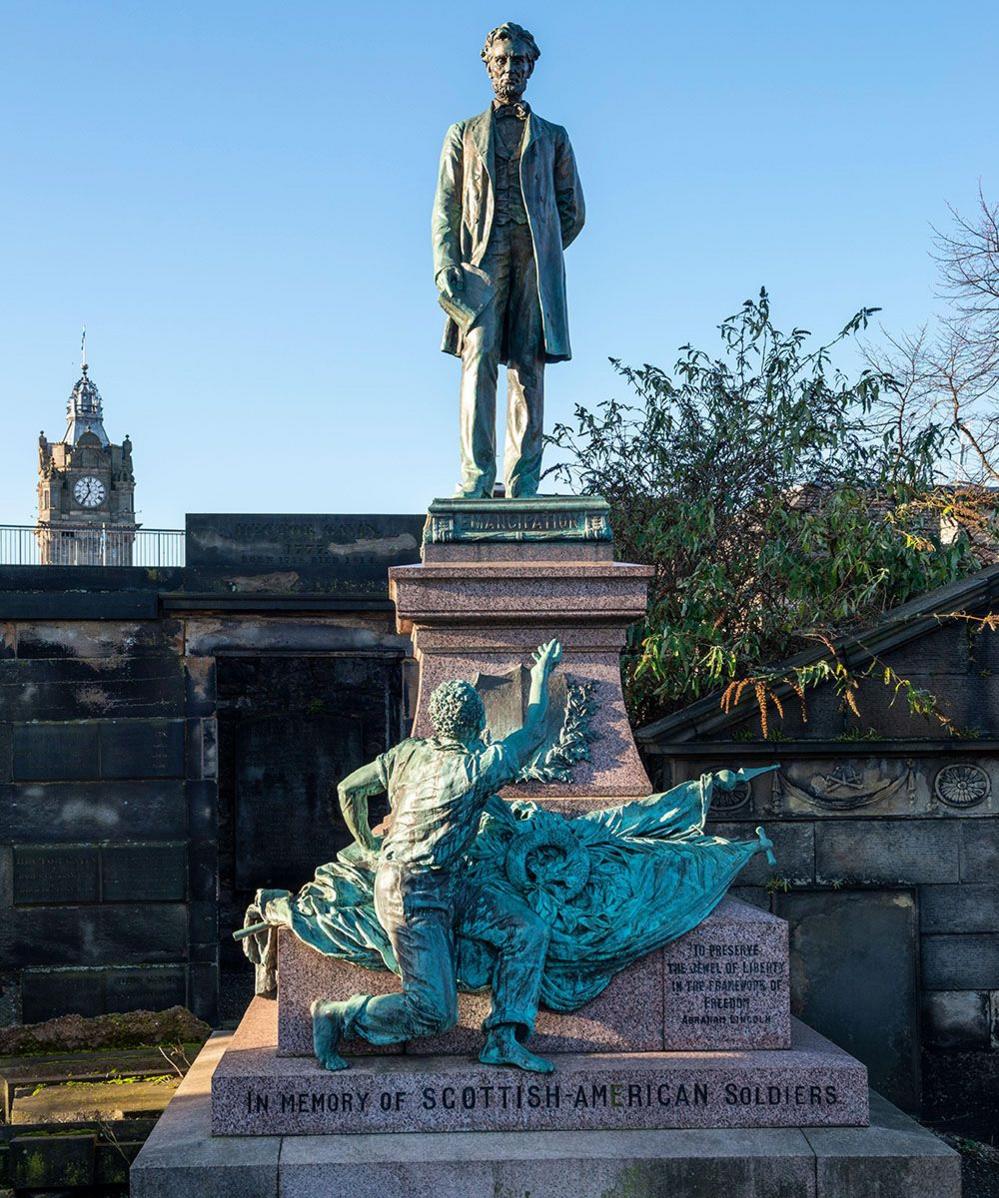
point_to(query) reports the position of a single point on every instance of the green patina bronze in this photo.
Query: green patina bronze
(508, 203)
(469, 891)
(541, 518)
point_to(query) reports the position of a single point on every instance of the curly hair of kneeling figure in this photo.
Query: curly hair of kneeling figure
(456, 710)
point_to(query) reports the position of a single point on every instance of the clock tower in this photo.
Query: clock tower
(86, 508)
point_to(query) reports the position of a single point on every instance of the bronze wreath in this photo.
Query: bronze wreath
(549, 857)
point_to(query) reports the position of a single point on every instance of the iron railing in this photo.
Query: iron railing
(89, 545)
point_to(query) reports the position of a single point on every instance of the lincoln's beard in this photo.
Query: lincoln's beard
(510, 89)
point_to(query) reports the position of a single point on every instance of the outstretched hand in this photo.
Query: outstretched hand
(547, 657)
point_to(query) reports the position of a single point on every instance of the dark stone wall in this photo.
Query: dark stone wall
(128, 843)
(93, 814)
(289, 729)
(887, 835)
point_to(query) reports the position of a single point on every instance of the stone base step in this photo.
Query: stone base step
(723, 985)
(893, 1158)
(255, 1092)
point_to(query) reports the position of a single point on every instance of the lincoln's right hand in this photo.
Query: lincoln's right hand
(451, 281)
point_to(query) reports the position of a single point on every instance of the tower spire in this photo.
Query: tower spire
(84, 411)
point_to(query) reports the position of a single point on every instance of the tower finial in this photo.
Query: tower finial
(83, 349)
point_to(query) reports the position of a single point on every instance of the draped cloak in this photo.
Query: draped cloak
(613, 885)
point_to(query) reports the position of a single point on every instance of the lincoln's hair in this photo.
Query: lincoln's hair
(511, 31)
(456, 707)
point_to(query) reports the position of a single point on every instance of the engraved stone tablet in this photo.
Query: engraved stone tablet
(256, 1092)
(543, 518)
(726, 982)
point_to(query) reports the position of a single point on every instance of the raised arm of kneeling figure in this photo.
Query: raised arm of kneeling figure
(523, 743)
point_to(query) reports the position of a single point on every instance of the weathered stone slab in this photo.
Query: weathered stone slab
(962, 908)
(145, 988)
(294, 553)
(256, 1092)
(968, 962)
(775, 1163)
(89, 639)
(723, 985)
(110, 934)
(855, 959)
(55, 874)
(894, 1158)
(47, 993)
(56, 751)
(88, 811)
(900, 852)
(138, 748)
(980, 852)
(75, 689)
(956, 1019)
(144, 872)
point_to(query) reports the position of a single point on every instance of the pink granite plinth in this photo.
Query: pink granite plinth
(256, 1092)
(627, 1017)
(469, 616)
(723, 985)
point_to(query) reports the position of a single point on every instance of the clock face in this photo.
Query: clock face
(89, 491)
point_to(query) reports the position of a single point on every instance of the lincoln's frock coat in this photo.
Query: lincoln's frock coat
(553, 198)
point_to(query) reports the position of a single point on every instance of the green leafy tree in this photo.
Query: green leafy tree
(775, 513)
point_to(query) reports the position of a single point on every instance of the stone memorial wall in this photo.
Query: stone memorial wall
(887, 834)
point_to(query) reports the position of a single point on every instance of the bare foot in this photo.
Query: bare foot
(503, 1048)
(327, 1029)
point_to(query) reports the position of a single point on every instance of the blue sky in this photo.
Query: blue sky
(234, 198)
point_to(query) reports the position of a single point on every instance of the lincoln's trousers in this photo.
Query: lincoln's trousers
(511, 327)
(416, 911)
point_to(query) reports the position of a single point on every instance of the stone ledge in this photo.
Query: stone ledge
(256, 1092)
(894, 1158)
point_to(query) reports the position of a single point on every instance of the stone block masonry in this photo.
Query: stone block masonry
(114, 840)
(94, 813)
(893, 1158)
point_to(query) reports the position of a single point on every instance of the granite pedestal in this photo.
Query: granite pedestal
(496, 580)
(724, 985)
(892, 1158)
(255, 1092)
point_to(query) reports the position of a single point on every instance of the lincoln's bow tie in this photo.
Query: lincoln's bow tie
(520, 110)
